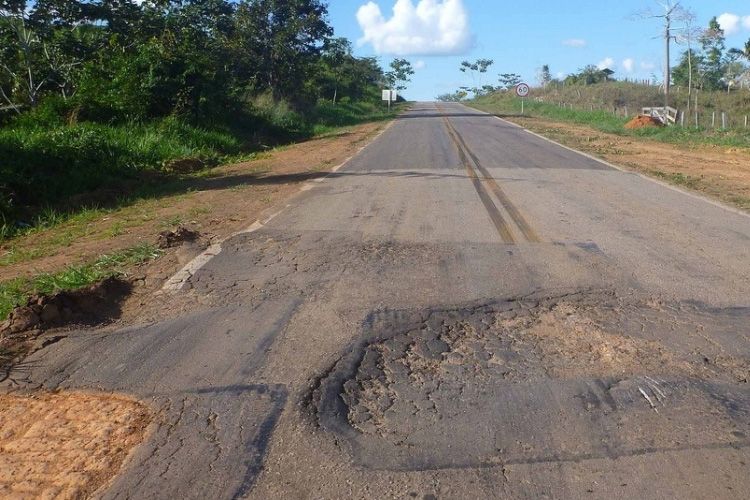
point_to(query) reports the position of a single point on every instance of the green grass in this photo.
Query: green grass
(48, 218)
(16, 292)
(46, 166)
(605, 121)
(52, 172)
(328, 117)
(622, 95)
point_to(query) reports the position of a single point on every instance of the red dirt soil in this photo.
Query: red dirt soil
(643, 121)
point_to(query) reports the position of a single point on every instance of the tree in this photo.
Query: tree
(128, 59)
(687, 72)
(454, 97)
(400, 74)
(476, 69)
(509, 80)
(285, 38)
(713, 45)
(589, 75)
(544, 77)
(337, 52)
(743, 53)
(672, 11)
(21, 63)
(340, 74)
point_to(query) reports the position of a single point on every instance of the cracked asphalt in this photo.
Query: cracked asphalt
(463, 311)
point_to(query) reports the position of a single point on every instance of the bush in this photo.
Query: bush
(48, 164)
(52, 112)
(279, 114)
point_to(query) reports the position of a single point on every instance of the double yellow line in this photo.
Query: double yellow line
(483, 180)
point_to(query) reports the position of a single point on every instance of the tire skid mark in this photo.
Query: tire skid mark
(519, 220)
(513, 211)
(497, 218)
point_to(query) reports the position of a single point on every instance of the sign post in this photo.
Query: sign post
(522, 91)
(390, 96)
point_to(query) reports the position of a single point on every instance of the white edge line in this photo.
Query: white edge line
(180, 279)
(624, 170)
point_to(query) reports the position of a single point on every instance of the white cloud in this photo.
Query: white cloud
(733, 23)
(560, 75)
(648, 66)
(606, 63)
(730, 23)
(432, 27)
(420, 64)
(628, 65)
(575, 42)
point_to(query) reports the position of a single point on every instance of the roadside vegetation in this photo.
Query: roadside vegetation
(106, 96)
(110, 104)
(60, 172)
(601, 107)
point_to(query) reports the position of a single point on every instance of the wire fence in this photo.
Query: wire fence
(709, 119)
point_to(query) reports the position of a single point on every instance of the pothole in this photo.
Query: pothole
(567, 377)
(65, 445)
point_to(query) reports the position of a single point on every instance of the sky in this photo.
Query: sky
(436, 35)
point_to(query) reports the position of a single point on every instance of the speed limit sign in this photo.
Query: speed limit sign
(522, 90)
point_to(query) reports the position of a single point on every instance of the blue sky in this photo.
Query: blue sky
(438, 34)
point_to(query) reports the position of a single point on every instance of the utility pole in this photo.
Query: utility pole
(667, 69)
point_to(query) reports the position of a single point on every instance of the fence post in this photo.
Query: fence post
(723, 120)
(745, 121)
(682, 119)
(626, 112)
(713, 119)
(697, 123)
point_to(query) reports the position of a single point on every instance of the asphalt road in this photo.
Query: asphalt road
(464, 310)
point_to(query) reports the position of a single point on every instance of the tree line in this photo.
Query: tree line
(476, 71)
(128, 59)
(710, 65)
(707, 64)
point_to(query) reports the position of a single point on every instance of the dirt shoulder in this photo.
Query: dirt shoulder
(718, 172)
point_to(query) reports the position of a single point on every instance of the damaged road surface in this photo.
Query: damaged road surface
(463, 311)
